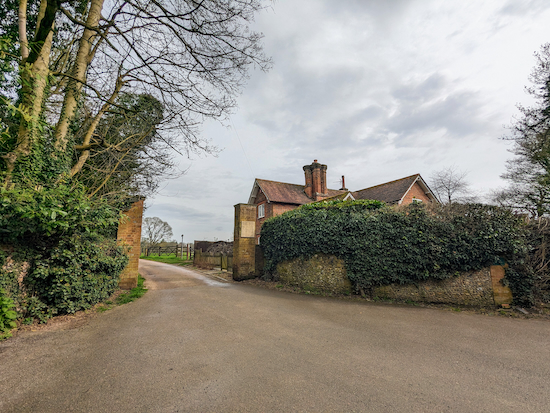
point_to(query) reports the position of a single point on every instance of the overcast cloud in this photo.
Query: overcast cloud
(377, 90)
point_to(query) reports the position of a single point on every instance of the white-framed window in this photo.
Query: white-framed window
(416, 200)
(261, 210)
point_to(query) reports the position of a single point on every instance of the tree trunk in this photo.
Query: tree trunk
(78, 77)
(34, 75)
(87, 138)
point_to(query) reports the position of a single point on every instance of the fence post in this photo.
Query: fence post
(224, 266)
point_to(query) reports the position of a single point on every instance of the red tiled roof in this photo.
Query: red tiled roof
(389, 192)
(288, 193)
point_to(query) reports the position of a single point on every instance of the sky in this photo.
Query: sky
(376, 90)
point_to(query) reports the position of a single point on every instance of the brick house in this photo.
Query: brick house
(273, 198)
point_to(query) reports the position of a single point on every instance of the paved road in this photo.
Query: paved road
(195, 345)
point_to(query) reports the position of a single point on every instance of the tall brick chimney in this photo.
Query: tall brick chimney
(316, 181)
(308, 189)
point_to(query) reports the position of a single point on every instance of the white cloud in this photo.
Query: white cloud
(376, 90)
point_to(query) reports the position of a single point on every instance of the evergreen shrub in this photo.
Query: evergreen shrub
(383, 245)
(7, 315)
(80, 272)
(68, 242)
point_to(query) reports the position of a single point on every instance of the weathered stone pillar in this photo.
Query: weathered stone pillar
(244, 244)
(129, 234)
(501, 293)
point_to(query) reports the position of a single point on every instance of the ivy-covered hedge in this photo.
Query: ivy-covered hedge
(43, 216)
(67, 241)
(80, 272)
(383, 245)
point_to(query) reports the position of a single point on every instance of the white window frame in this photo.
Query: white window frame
(417, 200)
(261, 211)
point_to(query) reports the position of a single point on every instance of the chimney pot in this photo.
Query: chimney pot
(343, 184)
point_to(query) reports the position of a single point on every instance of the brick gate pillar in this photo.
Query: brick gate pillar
(129, 234)
(244, 244)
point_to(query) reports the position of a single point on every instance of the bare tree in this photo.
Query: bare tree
(532, 198)
(529, 172)
(155, 231)
(450, 185)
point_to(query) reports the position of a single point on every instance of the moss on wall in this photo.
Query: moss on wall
(473, 288)
(321, 273)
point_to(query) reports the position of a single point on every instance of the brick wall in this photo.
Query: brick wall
(271, 210)
(129, 234)
(415, 192)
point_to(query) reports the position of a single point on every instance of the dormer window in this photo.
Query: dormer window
(261, 211)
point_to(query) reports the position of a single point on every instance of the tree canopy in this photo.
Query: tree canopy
(155, 231)
(90, 89)
(529, 172)
(450, 185)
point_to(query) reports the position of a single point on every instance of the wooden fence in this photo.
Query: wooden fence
(169, 250)
(209, 260)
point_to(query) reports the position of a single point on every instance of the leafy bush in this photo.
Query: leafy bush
(529, 278)
(8, 277)
(42, 216)
(67, 239)
(383, 245)
(7, 315)
(80, 272)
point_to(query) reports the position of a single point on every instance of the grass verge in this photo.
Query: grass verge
(167, 259)
(125, 298)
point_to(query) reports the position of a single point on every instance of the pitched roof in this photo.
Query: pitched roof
(389, 192)
(343, 195)
(284, 193)
(393, 191)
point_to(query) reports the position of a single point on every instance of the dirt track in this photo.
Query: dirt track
(192, 344)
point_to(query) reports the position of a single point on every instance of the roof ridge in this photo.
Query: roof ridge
(386, 183)
(287, 183)
(277, 182)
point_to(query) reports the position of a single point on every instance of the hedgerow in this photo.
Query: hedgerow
(382, 244)
(68, 243)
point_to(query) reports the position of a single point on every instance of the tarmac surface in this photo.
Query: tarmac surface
(195, 344)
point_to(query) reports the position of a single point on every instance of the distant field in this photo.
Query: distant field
(168, 259)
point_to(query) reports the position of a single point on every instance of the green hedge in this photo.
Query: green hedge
(80, 272)
(67, 239)
(382, 245)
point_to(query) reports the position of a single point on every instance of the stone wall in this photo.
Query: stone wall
(468, 289)
(129, 234)
(323, 273)
(327, 273)
(481, 288)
